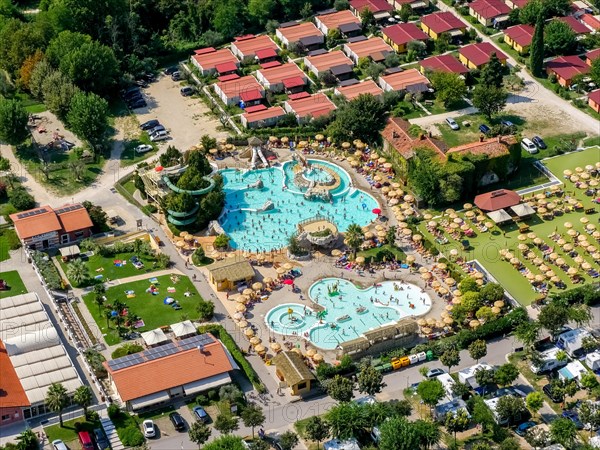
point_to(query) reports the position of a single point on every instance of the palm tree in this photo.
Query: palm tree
(27, 440)
(83, 397)
(77, 272)
(354, 237)
(57, 399)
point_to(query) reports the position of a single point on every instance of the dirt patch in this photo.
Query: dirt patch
(46, 127)
(543, 120)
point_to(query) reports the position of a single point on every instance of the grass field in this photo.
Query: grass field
(129, 156)
(67, 432)
(149, 307)
(8, 240)
(99, 265)
(485, 246)
(15, 284)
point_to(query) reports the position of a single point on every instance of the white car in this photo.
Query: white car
(159, 136)
(452, 123)
(529, 146)
(59, 445)
(143, 148)
(148, 427)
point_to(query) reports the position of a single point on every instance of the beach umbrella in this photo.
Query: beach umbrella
(257, 286)
(530, 276)
(427, 216)
(561, 242)
(553, 256)
(550, 273)
(456, 301)
(584, 176)
(406, 231)
(276, 347)
(578, 260)
(522, 237)
(474, 323)
(311, 352)
(426, 330)
(249, 332)
(417, 238)
(454, 226)
(567, 172)
(400, 217)
(448, 320)
(596, 234)
(360, 259)
(449, 211)
(596, 256)
(443, 291)
(468, 206)
(590, 249)
(287, 266)
(560, 262)
(354, 163)
(522, 247)
(583, 186)
(540, 196)
(593, 183)
(458, 220)
(586, 266)
(180, 244)
(542, 210)
(242, 324)
(450, 281)
(568, 225)
(435, 284)
(423, 269)
(453, 252)
(445, 314)
(590, 227)
(551, 206)
(426, 276)
(555, 280)
(489, 225)
(572, 271)
(567, 247)
(515, 261)
(531, 235)
(243, 299)
(260, 349)
(255, 340)
(464, 227)
(285, 139)
(540, 278)
(385, 189)
(393, 201)
(572, 201)
(336, 252)
(530, 255)
(442, 266)
(538, 241)
(260, 256)
(421, 322)
(280, 270)
(248, 291)
(268, 280)
(381, 234)
(317, 358)
(432, 224)
(431, 321)
(298, 351)
(238, 316)
(240, 308)
(409, 198)
(572, 233)
(470, 214)
(574, 179)
(584, 220)
(410, 259)
(578, 169)
(496, 310)
(374, 156)
(381, 161)
(478, 276)
(537, 261)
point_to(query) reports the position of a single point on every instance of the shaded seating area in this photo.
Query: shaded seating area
(70, 252)
(154, 337)
(183, 329)
(500, 216)
(523, 210)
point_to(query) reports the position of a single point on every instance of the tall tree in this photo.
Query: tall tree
(346, 420)
(27, 440)
(595, 71)
(563, 431)
(534, 401)
(199, 433)
(288, 440)
(253, 416)
(63, 44)
(491, 74)
(229, 17)
(88, 118)
(484, 378)
(57, 399)
(589, 414)
(83, 397)
(85, 63)
(506, 374)
(226, 423)
(431, 392)
(405, 12)
(361, 118)
(13, 122)
(489, 100)
(316, 430)
(354, 237)
(536, 51)
(458, 421)
(528, 333)
(510, 408)
(450, 358)
(559, 38)
(262, 10)
(58, 92)
(340, 388)
(478, 349)
(450, 87)
(370, 380)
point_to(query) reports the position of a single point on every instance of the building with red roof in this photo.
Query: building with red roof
(564, 68)
(592, 55)
(380, 8)
(13, 397)
(410, 80)
(344, 21)
(250, 48)
(305, 34)
(354, 90)
(245, 89)
(514, 4)
(496, 200)
(307, 108)
(263, 117)
(275, 78)
(414, 4)
(443, 63)
(443, 22)
(576, 25)
(594, 100)
(374, 48)
(399, 35)
(591, 21)
(319, 64)
(519, 37)
(489, 12)
(207, 60)
(475, 56)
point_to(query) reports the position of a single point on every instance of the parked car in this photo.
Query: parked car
(170, 70)
(159, 136)
(528, 146)
(484, 128)
(539, 142)
(200, 414)
(130, 93)
(139, 104)
(143, 148)
(452, 123)
(156, 129)
(507, 123)
(186, 91)
(524, 427)
(59, 445)
(555, 395)
(573, 417)
(509, 391)
(176, 76)
(148, 428)
(85, 440)
(130, 90)
(134, 97)
(101, 439)
(149, 124)
(435, 373)
(177, 421)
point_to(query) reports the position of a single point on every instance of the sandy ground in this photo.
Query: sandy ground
(50, 123)
(186, 118)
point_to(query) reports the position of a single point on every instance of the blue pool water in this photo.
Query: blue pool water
(390, 304)
(252, 229)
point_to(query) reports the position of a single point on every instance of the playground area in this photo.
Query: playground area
(144, 305)
(11, 284)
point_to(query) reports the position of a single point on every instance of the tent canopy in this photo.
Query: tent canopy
(523, 210)
(184, 328)
(153, 337)
(499, 216)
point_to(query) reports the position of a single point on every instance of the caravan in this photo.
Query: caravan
(548, 361)
(571, 341)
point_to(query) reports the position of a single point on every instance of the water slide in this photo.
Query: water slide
(257, 153)
(206, 190)
(268, 206)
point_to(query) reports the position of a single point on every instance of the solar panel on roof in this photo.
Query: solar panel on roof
(195, 341)
(34, 212)
(68, 208)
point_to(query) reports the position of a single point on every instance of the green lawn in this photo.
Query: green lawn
(149, 307)
(471, 134)
(485, 246)
(15, 284)
(112, 272)
(31, 105)
(592, 141)
(372, 252)
(129, 156)
(67, 432)
(8, 240)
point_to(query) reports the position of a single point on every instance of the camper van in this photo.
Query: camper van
(571, 341)
(548, 361)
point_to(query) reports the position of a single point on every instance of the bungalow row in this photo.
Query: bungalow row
(284, 77)
(566, 68)
(210, 61)
(475, 56)
(398, 36)
(251, 48)
(305, 34)
(335, 62)
(344, 21)
(374, 48)
(443, 22)
(490, 13)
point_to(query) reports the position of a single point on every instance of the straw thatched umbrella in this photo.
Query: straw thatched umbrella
(584, 220)
(553, 256)
(255, 340)
(298, 351)
(426, 276)
(410, 259)
(550, 273)
(567, 247)
(522, 237)
(268, 280)
(489, 225)
(406, 231)
(537, 261)
(360, 259)
(238, 316)
(522, 247)
(443, 291)
(260, 349)
(448, 320)
(381, 234)
(240, 308)
(374, 156)
(276, 347)
(243, 299)
(436, 284)
(453, 252)
(311, 352)
(248, 291)
(423, 269)
(496, 310)
(426, 330)
(317, 358)
(421, 322)
(530, 276)
(544, 268)
(537, 241)
(572, 271)
(474, 323)
(287, 266)
(402, 225)
(590, 227)
(560, 262)
(578, 260)
(567, 172)
(450, 281)
(456, 301)
(464, 227)
(280, 270)
(572, 233)
(515, 261)
(257, 286)
(539, 277)
(509, 255)
(417, 238)
(561, 241)
(249, 332)
(586, 266)
(336, 252)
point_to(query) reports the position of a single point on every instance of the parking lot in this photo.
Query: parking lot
(186, 118)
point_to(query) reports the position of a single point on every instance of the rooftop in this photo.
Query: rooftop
(276, 75)
(168, 366)
(444, 63)
(403, 33)
(334, 20)
(492, 147)
(264, 114)
(593, 54)
(442, 22)
(576, 25)
(293, 368)
(591, 21)
(396, 133)
(11, 392)
(316, 105)
(232, 269)
(235, 88)
(521, 34)
(369, 47)
(299, 31)
(595, 96)
(567, 67)
(353, 91)
(210, 60)
(44, 219)
(480, 53)
(488, 9)
(374, 6)
(495, 200)
(404, 80)
(326, 61)
(251, 45)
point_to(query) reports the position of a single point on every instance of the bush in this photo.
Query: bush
(199, 258)
(202, 400)
(48, 270)
(206, 310)
(345, 367)
(12, 239)
(126, 349)
(113, 411)
(21, 199)
(131, 436)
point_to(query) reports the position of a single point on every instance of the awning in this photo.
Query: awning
(71, 250)
(270, 64)
(149, 400)
(341, 69)
(417, 5)
(299, 95)
(209, 383)
(350, 27)
(378, 56)
(311, 40)
(455, 33)
(265, 53)
(255, 108)
(499, 216)
(381, 15)
(500, 19)
(523, 209)
(226, 67)
(418, 87)
(251, 95)
(293, 82)
(231, 76)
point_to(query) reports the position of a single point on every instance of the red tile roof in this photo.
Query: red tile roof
(12, 393)
(492, 147)
(591, 21)
(328, 60)
(299, 31)
(520, 3)
(204, 51)
(480, 53)
(354, 90)
(235, 88)
(251, 95)
(265, 53)
(73, 217)
(575, 25)
(396, 133)
(231, 76)
(335, 20)
(567, 67)
(371, 47)
(402, 80)
(298, 95)
(316, 105)
(595, 96)
(293, 82)
(170, 371)
(275, 111)
(226, 67)
(593, 54)
(374, 6)
(444, 63)
(255, 108)
(46, 220)
(276, 75)
(270, 64)
(250, 45)
(403, 33)
(488, 9)
(209, 60)
(495, 200)
(521, 34)
(442, 22)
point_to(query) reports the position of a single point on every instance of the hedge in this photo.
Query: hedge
(48, 270)
(588, 294)
(220, 333)
(345, 367)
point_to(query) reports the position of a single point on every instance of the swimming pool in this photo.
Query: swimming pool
(349, 310)
(263, 218)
